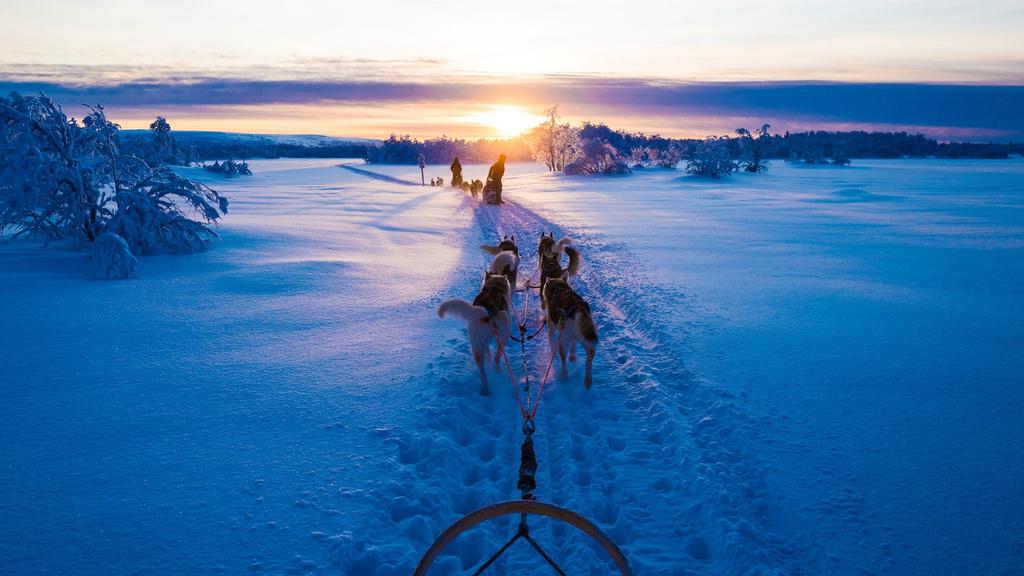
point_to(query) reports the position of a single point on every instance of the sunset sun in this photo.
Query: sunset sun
(507, 120)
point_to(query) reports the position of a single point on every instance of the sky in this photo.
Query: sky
(954, 70)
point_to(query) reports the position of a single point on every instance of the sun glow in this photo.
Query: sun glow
(507, 121)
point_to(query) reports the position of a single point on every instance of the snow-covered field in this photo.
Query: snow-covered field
(817, 370)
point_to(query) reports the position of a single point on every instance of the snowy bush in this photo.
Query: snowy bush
(755, 150)
(711, 158)
(642, 157)
(669, 158)
(229, 168)
(648, 157)
(63, 179)
(597, 156)
(111, 257)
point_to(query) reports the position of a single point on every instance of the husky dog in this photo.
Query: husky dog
(476, 187)
(507, 244)
(549, 259)
(440, 181)
(569, 322)
(465, 188)
(487, 318)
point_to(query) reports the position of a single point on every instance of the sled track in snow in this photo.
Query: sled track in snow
(379, 176)
(652, 455)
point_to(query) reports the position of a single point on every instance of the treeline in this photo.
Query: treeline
(596, 148)
(588, 148)
(407, 150)
(862, 144)
(812, 145)
(186, 153)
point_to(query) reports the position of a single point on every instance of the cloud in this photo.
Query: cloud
(963, 111)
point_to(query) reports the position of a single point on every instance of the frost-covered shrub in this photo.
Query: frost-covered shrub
(648, 157)
(597, 156)
(111, 257)
(229, 168)
(48, 183)
(642, 157)
(711, 158)
(63, 179)
(168, 215)
(755, 150)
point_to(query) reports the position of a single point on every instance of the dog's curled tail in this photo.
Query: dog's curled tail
(462, 309)
(562, 245)
(492, 250)
(574, 261)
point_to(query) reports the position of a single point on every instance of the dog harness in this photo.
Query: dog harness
(508, 246)
(491, 299)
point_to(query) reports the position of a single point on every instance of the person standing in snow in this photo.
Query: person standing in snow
(456, 173)
(492, 189)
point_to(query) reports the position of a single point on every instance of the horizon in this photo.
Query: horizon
(693, 71)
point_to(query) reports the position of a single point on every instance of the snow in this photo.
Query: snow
(814, 370)
(111, 257)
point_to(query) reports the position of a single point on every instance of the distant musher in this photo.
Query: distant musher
(492, 189)
(456, 173)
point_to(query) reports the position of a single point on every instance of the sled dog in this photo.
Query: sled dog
(549, 259)
(487, 319)
(507, 245)
(569, 323)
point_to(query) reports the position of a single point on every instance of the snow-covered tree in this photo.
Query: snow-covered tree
(711, 158)
(163, 142)
(63, 179)
(48, 184)
(597, 156)
(553, 143)
(229, 168)
(648, 157)
(642, 157)
(754, 148)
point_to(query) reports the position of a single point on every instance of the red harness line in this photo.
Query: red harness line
(529, 409)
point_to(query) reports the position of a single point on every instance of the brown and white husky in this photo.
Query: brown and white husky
(506, 253)
(487, 319)
(569, 323)
(549, 260)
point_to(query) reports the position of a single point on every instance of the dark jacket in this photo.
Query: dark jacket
(494, 175)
